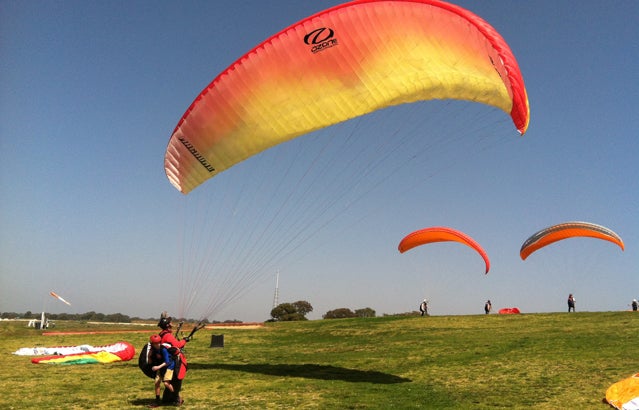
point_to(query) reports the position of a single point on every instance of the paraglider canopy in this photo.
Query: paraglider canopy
(333, 66)
(84, 354)
(624, 394)
(346, 65)
(441, 234)
(567, 230)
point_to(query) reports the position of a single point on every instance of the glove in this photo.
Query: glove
(186, 339)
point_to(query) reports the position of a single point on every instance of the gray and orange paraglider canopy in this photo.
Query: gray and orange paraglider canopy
(567, 230)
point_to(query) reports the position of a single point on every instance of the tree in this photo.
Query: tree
(117, 317)
(340, 313)
(366, 312)
(286, 312)
(303, 307)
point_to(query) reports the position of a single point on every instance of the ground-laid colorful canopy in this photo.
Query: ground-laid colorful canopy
(339, 64)
(82, 354)
(624, 394)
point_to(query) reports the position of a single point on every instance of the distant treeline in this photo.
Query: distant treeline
(94, 317)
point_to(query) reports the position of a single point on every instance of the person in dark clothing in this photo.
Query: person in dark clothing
(571, 303)
(488, 307)
(423, 308)
(163, 365)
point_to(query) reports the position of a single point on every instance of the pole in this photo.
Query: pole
(277, 290)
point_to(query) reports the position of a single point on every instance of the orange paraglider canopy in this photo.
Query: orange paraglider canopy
(566, 230)
(441, 234)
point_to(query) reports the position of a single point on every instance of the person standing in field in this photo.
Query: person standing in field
(488, 306)
(571, 303)
(635, 304)
(423, 308)
(174, 347)
(163, 365)
(167, 332)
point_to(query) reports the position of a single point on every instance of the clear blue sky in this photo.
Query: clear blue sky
(91, 91)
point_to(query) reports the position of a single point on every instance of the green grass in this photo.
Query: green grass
(545, 361)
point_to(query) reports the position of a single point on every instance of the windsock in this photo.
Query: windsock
(55, 295)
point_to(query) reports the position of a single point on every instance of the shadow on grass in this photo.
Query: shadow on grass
(141, 402)
(309, 371)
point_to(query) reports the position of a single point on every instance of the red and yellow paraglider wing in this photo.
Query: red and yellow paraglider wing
(441, 234)
(80, 358)
(567, 230)
(624, 392)
(509, 311)
(339, 64)
(120, 351)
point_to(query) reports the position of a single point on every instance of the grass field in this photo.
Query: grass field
(545, 361)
